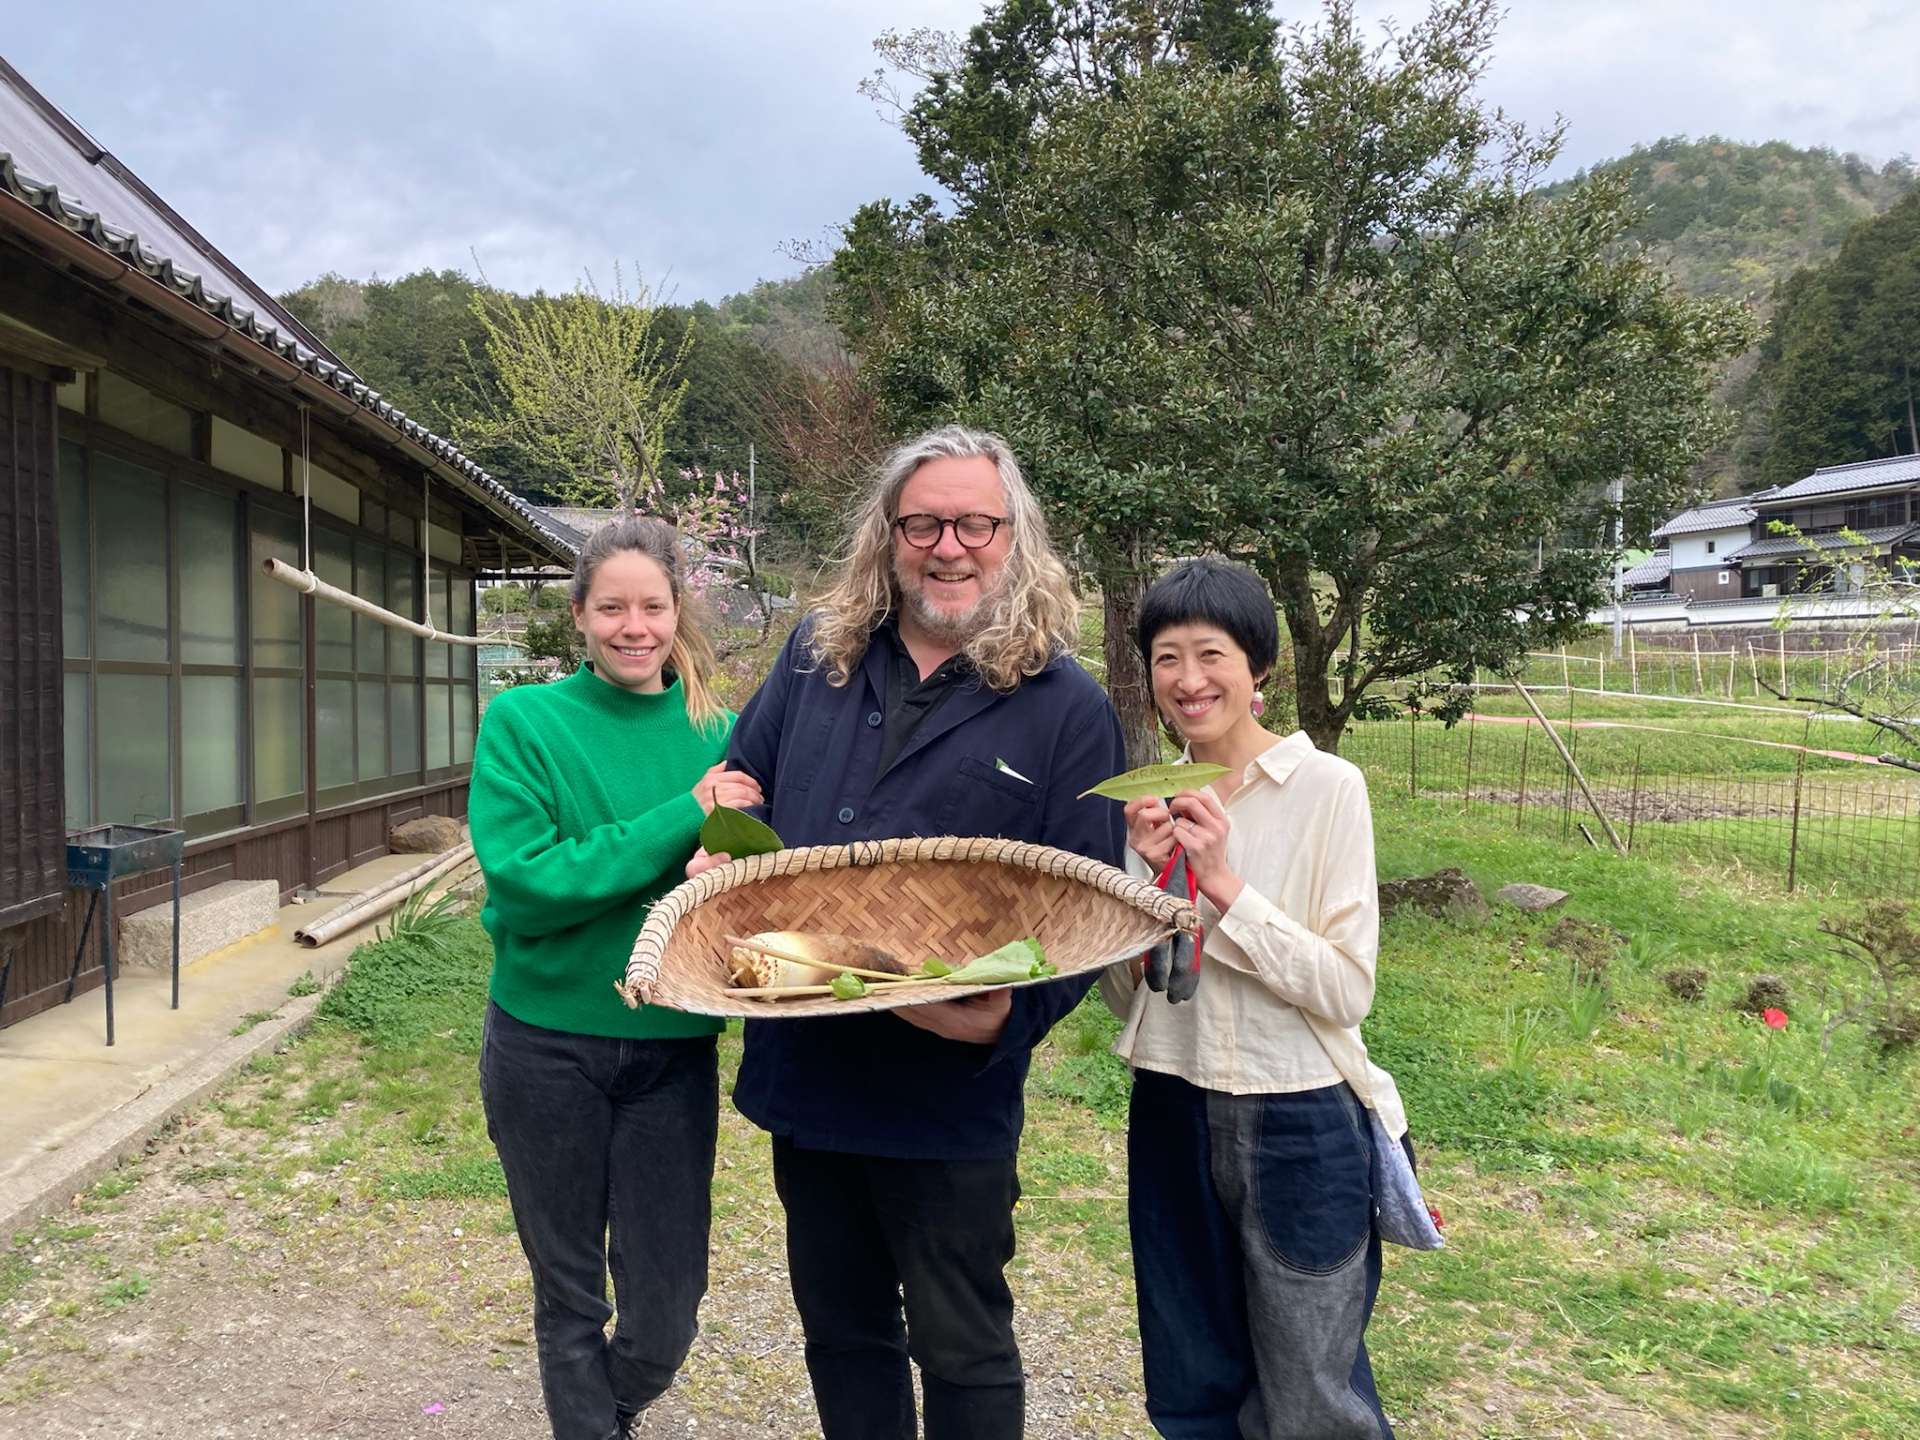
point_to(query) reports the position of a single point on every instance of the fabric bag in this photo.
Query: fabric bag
(1400, 1210)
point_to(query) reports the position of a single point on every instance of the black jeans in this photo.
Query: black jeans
(1256, 1261)
(869, 1238)
(608, 1150)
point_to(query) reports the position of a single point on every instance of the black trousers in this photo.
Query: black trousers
(891, 1259)
(608, 1150)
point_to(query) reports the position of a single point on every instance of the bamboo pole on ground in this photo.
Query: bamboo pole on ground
(371, 904)
(307, 583)
(1572, 769)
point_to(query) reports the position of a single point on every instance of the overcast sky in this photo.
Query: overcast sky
(692, 140)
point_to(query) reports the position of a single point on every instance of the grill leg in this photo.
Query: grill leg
(73, 976)
(176, 934)
(106, 950)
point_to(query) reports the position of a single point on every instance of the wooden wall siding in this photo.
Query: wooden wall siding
(43, 948)
(368, 836)
(33, 858)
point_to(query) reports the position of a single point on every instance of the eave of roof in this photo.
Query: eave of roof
(109, 253)
(1707, 517)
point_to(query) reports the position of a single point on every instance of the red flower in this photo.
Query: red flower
(1438, 1223)
(1774, 1019)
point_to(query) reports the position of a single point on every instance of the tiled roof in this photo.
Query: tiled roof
(111, 209)
(1731, 514)
(1650, 571)
(1839, 479)
(1858, 543)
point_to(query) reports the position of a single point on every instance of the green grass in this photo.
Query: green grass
(1663, 1218)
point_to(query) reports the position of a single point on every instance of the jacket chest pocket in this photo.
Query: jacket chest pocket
(982, 800)
(800, 761)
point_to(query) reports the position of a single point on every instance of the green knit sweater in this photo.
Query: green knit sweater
(582, 816)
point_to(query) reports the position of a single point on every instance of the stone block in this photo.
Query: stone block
(210, 918)
(1534, 898)
(425, 835)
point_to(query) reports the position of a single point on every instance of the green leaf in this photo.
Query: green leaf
(847, 987)
(1018, 960)
(1157, 780)
(936, 967)
(736, 833)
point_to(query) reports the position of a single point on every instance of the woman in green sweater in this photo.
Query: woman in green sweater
(586, 802)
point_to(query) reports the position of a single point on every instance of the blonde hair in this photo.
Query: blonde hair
(691, 656)
(1034, 613)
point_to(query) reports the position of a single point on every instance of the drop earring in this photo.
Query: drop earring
(1259, 705)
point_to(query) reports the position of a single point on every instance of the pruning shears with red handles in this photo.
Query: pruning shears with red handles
(1173, 965)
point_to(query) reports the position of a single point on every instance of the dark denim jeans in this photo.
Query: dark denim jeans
(1256, 1261)
(608, 1150)
(871, 1238)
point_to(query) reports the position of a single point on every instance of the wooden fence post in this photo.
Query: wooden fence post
(1520, 805)
(1633, 803)
(1699, 681)
(1471, 714)
(1413, 754)
(1633, 663)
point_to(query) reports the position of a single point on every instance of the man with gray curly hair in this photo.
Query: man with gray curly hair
(932, 692)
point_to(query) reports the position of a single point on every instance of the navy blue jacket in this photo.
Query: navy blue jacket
(872, 1084)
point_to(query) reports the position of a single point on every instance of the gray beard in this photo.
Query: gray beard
(945, 627)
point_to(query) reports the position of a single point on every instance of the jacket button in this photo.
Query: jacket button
(873, 720)
(846, 814)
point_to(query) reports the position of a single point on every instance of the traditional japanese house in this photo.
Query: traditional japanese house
(166, 427)
(1844, 523)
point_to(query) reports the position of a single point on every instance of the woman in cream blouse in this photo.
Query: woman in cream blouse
(1256, 1253)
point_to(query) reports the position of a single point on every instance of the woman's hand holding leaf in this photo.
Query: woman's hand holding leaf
(1150, 830)
(732, 788)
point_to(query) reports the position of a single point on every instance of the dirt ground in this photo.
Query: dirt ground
(191, 1310)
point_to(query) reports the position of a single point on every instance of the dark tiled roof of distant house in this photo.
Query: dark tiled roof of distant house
(1839, 479)
(1650, 571)
(1730, 514)
(1859, 543)
(56, 169)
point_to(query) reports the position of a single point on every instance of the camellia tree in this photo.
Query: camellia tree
(1302, 307)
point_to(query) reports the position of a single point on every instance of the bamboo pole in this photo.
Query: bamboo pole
(1784, 687)
(307, 583)
(1572, 768)
(1699, 680)
(371, 904)
(1633, 665)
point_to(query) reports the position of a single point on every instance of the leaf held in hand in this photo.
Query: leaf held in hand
(847, 987)
(1157, 780)
(736, 833)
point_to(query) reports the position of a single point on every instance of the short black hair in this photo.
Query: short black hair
(1212, 591)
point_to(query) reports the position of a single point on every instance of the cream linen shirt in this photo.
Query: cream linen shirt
(1303, 935)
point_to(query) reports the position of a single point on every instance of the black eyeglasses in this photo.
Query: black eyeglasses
(976, 532)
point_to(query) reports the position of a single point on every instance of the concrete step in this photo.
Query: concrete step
(209, 919)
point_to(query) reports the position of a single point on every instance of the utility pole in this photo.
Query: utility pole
(1618, 493)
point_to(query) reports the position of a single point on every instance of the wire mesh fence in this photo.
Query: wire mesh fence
(1793, 814)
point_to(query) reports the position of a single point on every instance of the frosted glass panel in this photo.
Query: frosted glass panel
(276, 609)
(279, 739)
(130, 537)
(373, 729)
(210, 737)
(136, 782)
(127, 406)
(78, 743)
(439, 735)
(333, 624)
(333, 733)
(462, 724)
(436, 649)
(462, 657)
(370, 583)
(403, 650)
(209, 581)
(76, 569)
(405, 709)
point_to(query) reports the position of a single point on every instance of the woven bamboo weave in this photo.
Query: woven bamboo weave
(954, 898)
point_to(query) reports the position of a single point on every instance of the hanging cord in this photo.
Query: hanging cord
(306, 496)
(426, 555)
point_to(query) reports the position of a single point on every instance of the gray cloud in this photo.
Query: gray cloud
(690, 142)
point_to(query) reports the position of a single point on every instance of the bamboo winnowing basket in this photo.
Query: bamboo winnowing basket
(950, 898)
